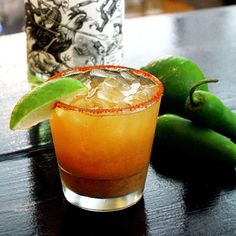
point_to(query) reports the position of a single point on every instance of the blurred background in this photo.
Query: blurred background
(12, 11)
(149, 7)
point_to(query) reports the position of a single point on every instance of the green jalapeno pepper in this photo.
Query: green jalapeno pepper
(208, 110)
(179, 136)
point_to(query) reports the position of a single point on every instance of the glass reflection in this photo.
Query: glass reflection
(203, 179)
(53, 215)
(40, 135)
(131, 221)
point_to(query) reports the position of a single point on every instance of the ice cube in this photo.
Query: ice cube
(109, 88)
(111, 94)
(137, 98)
(116, 82)
(149, 90)
(127, 75)
(142, 80)
(133, 89)
(92, 92)
(80, 101)
(77, 74)
(100, 73)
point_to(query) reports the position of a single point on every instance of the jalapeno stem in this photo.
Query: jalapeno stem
(193, 88)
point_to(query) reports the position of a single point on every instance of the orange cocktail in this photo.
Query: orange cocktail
(103, 139)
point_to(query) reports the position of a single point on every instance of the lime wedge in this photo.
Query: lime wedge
(37, 104)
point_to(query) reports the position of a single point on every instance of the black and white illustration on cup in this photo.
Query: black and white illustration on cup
(62, 34)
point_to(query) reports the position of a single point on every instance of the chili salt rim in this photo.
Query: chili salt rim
(104, 111)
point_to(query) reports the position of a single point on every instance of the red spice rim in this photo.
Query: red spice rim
(132, 108)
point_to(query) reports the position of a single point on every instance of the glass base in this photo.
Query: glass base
(102, 204)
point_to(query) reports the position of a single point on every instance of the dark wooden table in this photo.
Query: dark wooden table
(181, 198)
